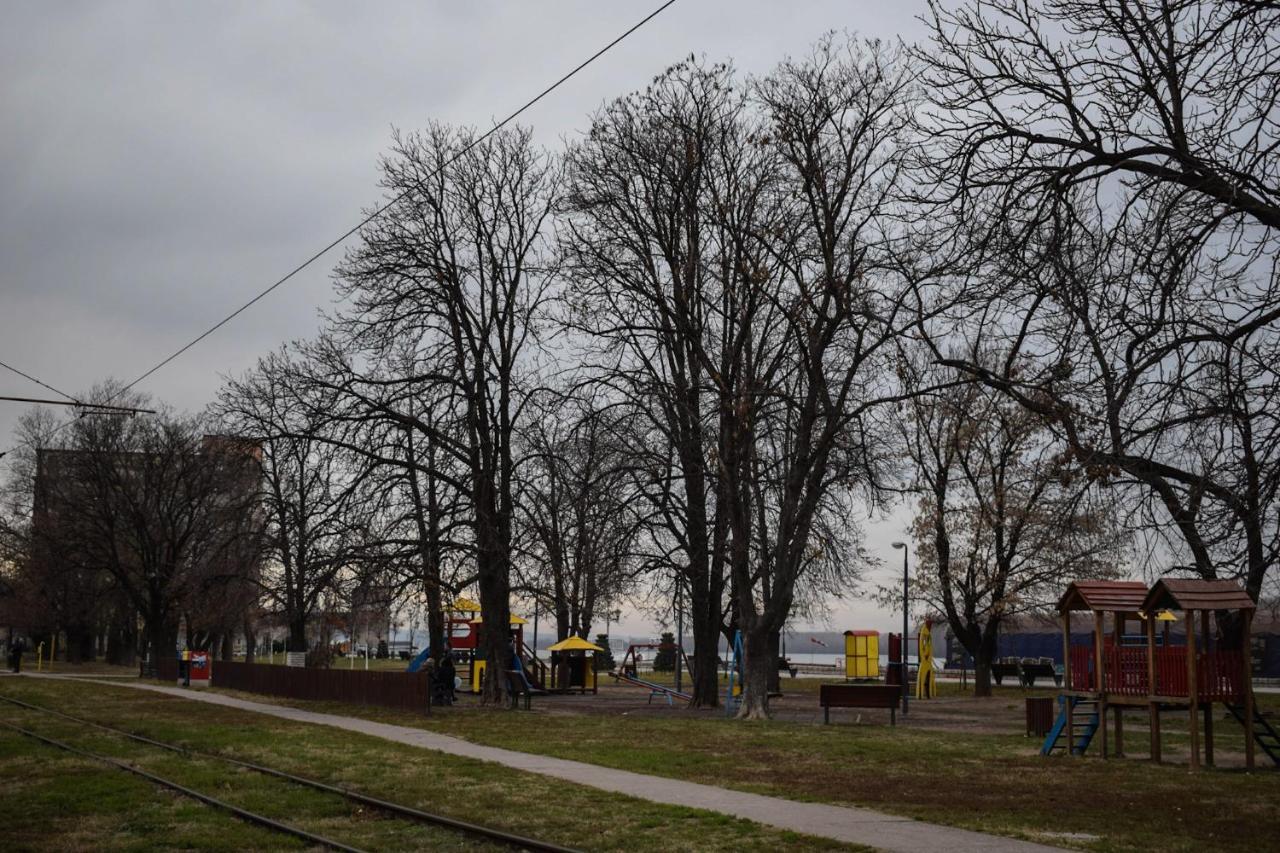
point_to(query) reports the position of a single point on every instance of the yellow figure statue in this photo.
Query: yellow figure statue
(926, 684)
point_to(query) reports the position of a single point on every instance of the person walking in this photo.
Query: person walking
(15, 654)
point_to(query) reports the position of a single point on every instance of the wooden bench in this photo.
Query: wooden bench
(859, 696)
(518, 686)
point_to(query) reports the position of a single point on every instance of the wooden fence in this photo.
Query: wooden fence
(403, 690)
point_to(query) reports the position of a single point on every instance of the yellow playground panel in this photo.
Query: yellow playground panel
(861, 654)
(926, 683)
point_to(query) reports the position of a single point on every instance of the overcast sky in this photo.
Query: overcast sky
(160, 163)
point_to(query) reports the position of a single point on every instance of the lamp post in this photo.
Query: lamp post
(905, 667)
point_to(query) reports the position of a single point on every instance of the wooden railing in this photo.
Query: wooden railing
(1219, 675)
(1126, 670)
(1171, 671)
(1082, 675)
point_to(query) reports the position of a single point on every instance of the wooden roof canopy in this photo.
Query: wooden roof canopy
(1103, 596)
(1197, 594)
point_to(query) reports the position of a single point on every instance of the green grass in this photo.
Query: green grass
(988, 782)
(66, 803)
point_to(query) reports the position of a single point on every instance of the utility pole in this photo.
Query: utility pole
(905, 606)
(679, 634)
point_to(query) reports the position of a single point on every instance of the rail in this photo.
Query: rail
(461, 826)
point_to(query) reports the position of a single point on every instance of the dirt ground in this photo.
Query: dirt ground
(1001, 714)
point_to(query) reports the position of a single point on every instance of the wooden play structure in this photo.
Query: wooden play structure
(463, 629)
(1117, 668)
(573, 665)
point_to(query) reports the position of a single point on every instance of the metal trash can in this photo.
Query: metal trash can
(200, 668)
(1039, 716)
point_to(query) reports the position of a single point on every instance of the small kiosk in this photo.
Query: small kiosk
(573, 665)
(861, 655)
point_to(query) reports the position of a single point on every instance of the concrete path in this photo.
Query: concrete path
(841, 823)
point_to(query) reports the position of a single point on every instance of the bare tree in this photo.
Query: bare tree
(575, 508)
(314, 495)
(151, 501)
(637, 239)
(451, 275)
(1113, 168)
(1003, 522)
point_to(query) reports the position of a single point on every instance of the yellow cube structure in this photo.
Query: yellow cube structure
(861, 654)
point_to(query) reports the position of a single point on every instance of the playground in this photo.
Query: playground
(1152, 728)
(955, 761)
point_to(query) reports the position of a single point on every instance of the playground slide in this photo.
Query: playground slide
(649, 685)
(416, 663)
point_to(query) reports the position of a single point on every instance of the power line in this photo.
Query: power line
(13, 369)
(372, 216)
(89, 408)
(383, 208)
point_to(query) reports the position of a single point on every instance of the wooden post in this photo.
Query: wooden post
(1119, 710)
(1066, 681)
(1208, 708)
(1246, 685)
(1099, 674)
(1193, 718)
(1153, 708)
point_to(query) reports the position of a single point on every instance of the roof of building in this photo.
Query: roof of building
(1197, 594)
(1109, 596)
(574, 644)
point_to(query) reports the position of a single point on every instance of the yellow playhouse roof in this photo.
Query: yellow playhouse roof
(465, 605)
(515, 620)
(574, 644)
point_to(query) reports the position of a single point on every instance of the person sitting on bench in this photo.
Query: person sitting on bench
(444, 677)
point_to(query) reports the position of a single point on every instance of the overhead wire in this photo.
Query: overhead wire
(378, 211)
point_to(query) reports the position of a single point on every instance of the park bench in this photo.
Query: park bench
(859, 696)
(518, 686)
(1042, 668)
(1009, 667)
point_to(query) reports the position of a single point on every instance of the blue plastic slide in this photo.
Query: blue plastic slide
(416, 663)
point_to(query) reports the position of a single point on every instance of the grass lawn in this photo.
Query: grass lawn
(53, 801)
(988, 782)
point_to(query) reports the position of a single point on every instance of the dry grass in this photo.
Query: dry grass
(471, 790)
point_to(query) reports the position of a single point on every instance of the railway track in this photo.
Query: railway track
(462, 827)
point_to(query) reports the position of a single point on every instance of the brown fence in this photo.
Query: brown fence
(404, 690)
(167, 669)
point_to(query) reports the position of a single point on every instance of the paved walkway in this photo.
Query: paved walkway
(841, 823)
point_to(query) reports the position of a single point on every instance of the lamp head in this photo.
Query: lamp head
(899, 544)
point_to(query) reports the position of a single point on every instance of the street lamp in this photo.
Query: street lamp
(905, 667)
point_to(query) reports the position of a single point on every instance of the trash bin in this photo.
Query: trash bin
(1039, 716)
(200, 668)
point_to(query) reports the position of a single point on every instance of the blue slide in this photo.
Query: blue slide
(416, 663)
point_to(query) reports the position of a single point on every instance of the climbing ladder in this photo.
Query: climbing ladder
(1084, 722)
(1263, 733)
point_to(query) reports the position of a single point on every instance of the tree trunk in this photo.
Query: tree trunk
(227, 646)
(297, 634)
(495, 608)
(162, 639)
(756, 668)
(775, 672)
(705, 689)
(983, 657)
(250, 643)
